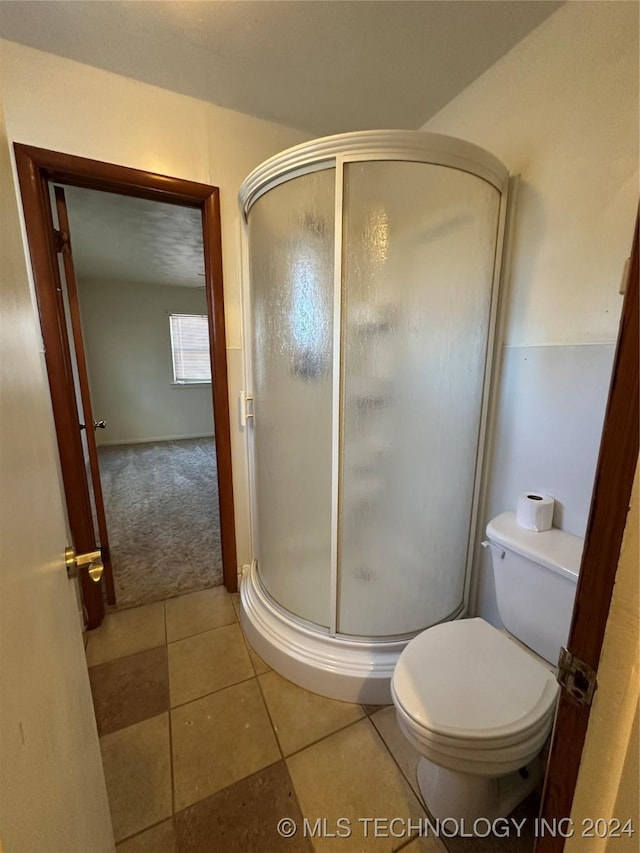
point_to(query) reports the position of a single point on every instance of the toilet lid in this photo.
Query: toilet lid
(467, 680)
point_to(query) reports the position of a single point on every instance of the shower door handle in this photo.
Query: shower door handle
(246, 409)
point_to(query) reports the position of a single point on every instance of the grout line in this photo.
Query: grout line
(164, 611)
(115, 609)
(257, 678)
(173, 784)
(273, 728)
(124, 657)
(246, 646)
(131, 725)
(324, 737)
(405, 844)
(165, 643)
(443, 848)
(275, 731)
(226, 788)
(417, 795)
(409, 840)
(142, 831)
(198, 633)
(377, 708)
(87, 634)
(211, 693)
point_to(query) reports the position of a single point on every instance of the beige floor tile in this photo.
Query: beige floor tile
(512, 842)
(259, 665)
(235, 601)
(137, 769)
(371, 709)
(158, 839)
(219, 740)
(131, 689)
(127, 632)
(404, 753)
(207, 662)
(351, 775)
(197, 612)
(426, 844)
(244, 817)
(300, 717)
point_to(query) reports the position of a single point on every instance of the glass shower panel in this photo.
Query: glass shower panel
(417, 277)
(291, 238)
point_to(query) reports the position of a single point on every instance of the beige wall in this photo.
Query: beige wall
(52, 791)
(66, 106)
(561, 109)
(609, 771)
(128, 346)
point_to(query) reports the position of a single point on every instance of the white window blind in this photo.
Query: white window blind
(190, 348)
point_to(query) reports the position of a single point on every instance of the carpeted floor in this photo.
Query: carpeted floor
(161, 503)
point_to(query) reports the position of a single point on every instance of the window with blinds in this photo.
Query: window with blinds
(190, 348)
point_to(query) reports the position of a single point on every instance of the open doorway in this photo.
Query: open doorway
(139, 271)
(169, 537)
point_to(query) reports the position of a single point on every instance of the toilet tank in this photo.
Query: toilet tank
(535, 577)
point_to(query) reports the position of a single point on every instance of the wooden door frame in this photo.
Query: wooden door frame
(36, 168)
(617, 462)
(85, 407)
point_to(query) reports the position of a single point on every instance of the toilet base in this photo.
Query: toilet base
(449, 794)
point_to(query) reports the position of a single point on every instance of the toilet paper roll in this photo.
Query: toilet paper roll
(535, 511)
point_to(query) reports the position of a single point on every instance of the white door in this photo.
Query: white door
(52, 791)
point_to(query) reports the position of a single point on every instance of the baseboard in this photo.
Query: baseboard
(153, 439)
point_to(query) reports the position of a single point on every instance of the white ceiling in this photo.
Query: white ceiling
(323, 67)
(119, 238)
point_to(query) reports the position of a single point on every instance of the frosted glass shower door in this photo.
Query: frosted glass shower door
(419, 246)
(291, 238)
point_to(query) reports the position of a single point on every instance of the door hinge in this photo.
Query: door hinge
(576, 677)
(626, 272)
(63, 243)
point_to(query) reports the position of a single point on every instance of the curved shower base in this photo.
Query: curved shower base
(345, 668)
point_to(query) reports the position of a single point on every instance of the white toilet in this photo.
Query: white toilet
(474, 702)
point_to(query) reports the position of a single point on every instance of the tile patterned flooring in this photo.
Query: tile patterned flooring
(205, 748)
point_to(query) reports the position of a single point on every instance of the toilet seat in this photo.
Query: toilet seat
(471, 699)
(475, 761)
(466, 745)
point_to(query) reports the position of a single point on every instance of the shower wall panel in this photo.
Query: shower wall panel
(291, 235)
(419, 245)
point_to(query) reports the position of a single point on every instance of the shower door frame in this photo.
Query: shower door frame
(327, 154)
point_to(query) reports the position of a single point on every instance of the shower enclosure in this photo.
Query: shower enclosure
(374, 268)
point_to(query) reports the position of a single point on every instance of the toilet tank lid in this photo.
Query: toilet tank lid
(554, 549)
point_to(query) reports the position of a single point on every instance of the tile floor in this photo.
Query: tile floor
(205, 748)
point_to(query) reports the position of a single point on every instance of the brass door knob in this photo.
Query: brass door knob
(92, 559)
